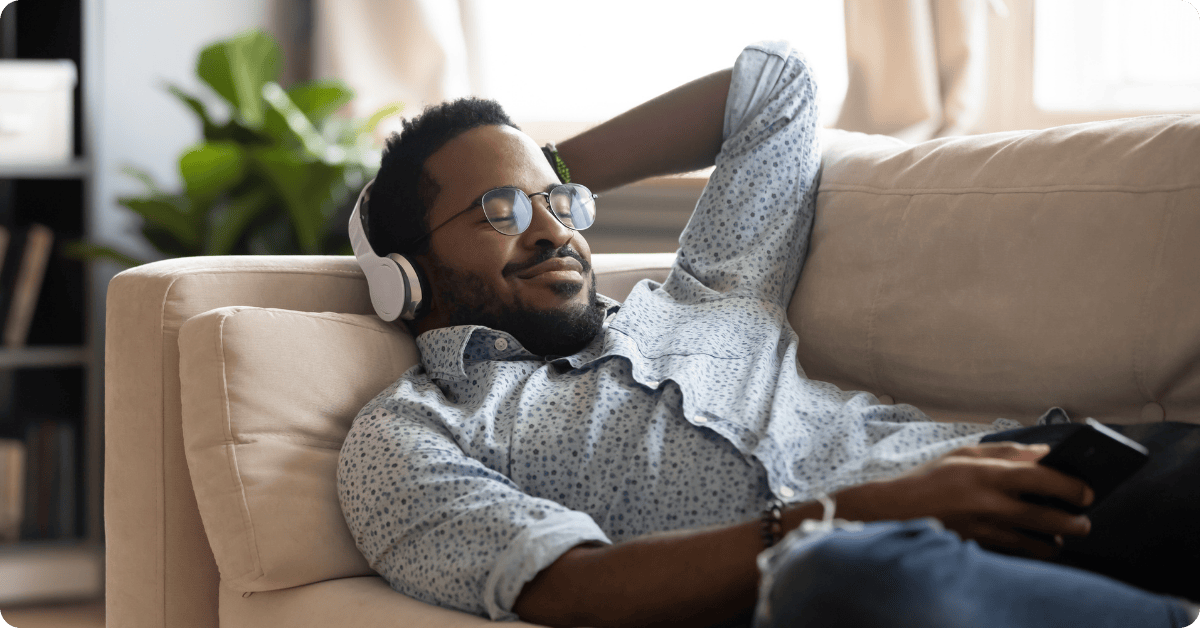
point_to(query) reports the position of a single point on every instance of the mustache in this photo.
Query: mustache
(565, 250)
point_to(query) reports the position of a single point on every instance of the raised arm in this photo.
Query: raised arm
(679, 131)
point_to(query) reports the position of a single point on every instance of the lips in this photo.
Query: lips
(552, 265)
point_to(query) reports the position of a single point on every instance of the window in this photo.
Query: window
(1125, 55)
(606, 57)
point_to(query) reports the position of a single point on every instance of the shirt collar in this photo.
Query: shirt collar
(446, 350)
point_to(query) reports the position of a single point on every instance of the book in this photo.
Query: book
(39, 241)
(50, 484)
(3, 243)
(12, 488)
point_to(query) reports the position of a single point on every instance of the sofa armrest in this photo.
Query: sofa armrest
(363, 602)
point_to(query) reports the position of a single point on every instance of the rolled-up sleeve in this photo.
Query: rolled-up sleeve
(749, 232)
(438, 525)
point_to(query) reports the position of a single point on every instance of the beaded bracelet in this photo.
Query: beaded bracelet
(556, 162)
(772, 523)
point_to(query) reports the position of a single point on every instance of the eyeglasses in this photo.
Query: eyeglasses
(510, 210)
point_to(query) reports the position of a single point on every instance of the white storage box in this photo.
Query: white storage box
(36, 113)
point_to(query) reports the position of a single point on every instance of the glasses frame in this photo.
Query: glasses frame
(529, 197)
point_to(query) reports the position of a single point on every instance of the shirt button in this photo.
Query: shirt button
(787, 491)
(701, 419)
(501, 344)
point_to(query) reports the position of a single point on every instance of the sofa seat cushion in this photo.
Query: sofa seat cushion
(268, 396)
(999, 275)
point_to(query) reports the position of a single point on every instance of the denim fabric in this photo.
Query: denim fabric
(915, 574)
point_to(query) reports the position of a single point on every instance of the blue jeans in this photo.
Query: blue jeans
(915, 574)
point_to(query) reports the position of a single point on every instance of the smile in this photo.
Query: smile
(554, 265)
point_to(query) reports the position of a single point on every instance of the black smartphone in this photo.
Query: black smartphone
(1097, 455)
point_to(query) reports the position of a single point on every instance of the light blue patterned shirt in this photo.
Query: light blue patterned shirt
(485, 463)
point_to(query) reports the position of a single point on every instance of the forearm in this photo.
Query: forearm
(679, 131)
(689, 578)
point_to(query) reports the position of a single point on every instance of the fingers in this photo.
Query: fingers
(1007, 540)
(1048, 519)
(1047, 482)
(992, 492)
(1016, 452)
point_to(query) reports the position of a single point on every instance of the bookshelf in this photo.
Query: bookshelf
(51, 384)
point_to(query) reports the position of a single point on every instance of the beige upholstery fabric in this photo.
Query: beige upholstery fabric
(268, 397)
(347, 602)
(999, 275)
(160, 568)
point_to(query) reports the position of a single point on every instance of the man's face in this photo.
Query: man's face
(538, 285)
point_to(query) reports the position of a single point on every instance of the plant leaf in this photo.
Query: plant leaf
(305, 188)
(168, 213)
(237, 69)
(229, 223)
(144, 177)
(211, 168)
(319, 99)
(385, 111)
(197, 107)
(166, 242)
(290, 177)
(81, 250)
(276, 237)
(298, 123)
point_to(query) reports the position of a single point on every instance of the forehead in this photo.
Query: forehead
(484, 158)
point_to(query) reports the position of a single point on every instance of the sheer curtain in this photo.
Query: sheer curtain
(918, 68)
(413, 51)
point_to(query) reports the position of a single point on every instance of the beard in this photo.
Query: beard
(561, 331)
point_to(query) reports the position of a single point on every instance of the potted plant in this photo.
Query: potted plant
(270, 179)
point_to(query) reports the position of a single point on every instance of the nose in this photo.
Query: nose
(544, 228)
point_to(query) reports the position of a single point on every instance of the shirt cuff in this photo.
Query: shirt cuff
(534, 549)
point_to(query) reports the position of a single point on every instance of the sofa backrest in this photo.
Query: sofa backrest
(999, 275)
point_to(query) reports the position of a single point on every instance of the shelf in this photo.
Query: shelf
(73, 169)
(50, 570)
(33, 357)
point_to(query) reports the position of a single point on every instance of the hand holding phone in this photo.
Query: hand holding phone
(1097, 455)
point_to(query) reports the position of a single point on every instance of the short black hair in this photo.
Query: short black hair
(397, 216)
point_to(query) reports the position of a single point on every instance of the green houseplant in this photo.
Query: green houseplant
(271, 178)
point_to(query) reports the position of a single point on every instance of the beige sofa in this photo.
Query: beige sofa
(978, 277)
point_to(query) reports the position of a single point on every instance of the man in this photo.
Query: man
(570, 461)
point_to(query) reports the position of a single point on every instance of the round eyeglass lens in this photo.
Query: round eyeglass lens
(573, 205)
(508, 210)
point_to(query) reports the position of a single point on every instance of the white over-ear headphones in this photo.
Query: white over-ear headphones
(394, 282)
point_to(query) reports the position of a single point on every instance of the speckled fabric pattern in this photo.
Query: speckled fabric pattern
(484, 464)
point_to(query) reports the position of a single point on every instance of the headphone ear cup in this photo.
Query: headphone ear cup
(389, 291)
(396, 285)
(416, 290)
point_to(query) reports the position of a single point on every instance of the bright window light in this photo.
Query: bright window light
(588, 61)
(1117, 55)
